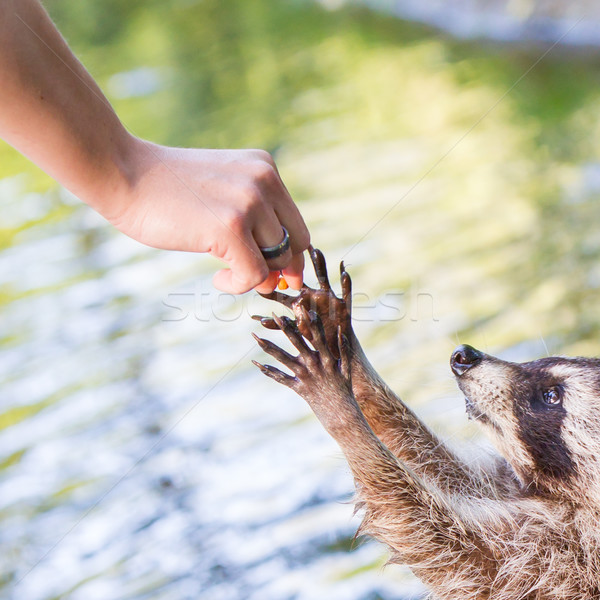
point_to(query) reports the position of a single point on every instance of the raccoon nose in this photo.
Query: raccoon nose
(463, 358)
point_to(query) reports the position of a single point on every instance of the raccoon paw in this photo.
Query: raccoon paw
(320, 377)
(334, 312)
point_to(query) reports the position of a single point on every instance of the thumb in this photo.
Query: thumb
(247, 268)
(227, 281)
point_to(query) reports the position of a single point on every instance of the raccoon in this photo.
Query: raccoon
(525, 525)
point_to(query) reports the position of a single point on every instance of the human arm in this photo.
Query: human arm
(224, 202)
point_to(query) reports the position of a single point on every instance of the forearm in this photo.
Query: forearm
(52, 111)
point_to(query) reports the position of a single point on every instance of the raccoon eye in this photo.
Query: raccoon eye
(551, 396)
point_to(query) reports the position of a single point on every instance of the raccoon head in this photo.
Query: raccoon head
(543, 416)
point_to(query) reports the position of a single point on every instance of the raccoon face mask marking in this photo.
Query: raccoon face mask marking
(544, 415)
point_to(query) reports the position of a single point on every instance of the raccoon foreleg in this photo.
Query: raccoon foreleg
(391, 420)
(418, 523)
(404, 434)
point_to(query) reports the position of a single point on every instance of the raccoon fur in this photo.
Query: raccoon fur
(526, 526)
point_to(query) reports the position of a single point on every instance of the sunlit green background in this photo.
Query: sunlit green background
(464, 175)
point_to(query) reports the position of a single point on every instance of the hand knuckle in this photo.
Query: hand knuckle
(263, 156)
(252, 198)
(235, 221)
(264, 174)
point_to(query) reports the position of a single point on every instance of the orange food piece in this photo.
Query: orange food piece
(282, 284)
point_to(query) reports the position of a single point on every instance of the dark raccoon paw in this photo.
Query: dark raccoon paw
(334, 312)
(318, 376)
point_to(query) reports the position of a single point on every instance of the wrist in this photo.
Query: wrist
(113, 192)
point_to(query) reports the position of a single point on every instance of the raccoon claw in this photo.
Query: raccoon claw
(266, 322)
(279, 297)
(275, 351)
(314, 370)
(333, 311)
(320, 266)
(275, 374)
(346, 282)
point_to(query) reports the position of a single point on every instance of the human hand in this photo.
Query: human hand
(228, 203)
(225, 202)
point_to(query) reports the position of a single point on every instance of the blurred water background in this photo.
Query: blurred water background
(141, 454)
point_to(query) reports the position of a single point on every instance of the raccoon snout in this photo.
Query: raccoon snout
(463, 358)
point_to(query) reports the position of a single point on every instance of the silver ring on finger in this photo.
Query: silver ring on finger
(276, 251)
